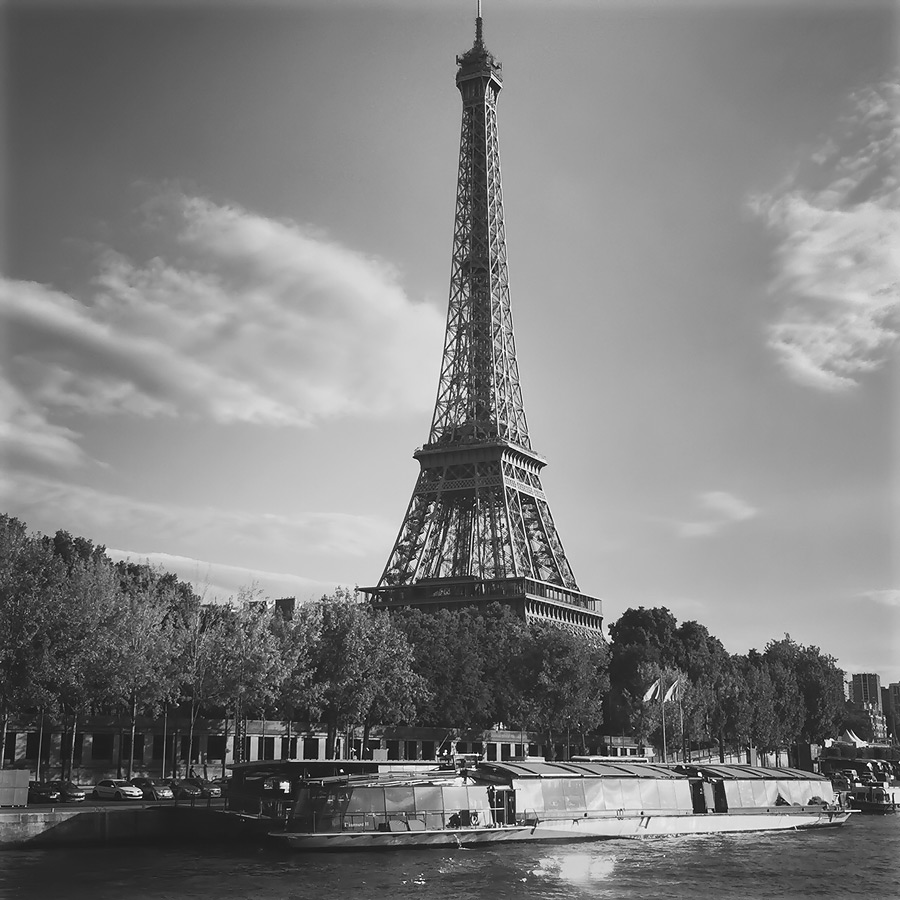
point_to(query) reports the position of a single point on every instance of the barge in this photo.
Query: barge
(496, 802)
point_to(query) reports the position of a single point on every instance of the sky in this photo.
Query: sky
(225, 271)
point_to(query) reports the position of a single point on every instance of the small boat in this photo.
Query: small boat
(872, 799)
(533, 800)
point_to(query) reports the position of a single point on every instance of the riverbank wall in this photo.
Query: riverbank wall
(99, 826)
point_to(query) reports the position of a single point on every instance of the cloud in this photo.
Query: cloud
(217, 582)
(889, 598)
(722, 509)
(236, 318)
(316, 538)
(26, 433)
(837, 223)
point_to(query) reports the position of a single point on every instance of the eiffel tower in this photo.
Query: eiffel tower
(478, 528)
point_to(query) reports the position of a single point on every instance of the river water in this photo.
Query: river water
(861, 859)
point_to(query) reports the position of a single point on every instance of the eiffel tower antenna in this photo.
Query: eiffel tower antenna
(478, 527)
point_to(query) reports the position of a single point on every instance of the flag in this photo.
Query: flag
(674, 692)
(654, 690)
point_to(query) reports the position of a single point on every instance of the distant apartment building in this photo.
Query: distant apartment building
(867, 696)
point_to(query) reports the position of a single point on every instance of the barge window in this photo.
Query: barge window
(478, 798)
(612, 794)
(399, 799)
(668, 795)
(455, 799)
(649, 791)
(366, 800)
(746, 791)
(732, 794)
(761, 794)
(593, 794)
(631, 793)
(428, 799)
(529, 796)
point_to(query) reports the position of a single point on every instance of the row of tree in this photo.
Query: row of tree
(80, 634)
(787, 694)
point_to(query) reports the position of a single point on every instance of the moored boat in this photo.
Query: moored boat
(874, 798)
(553, 801)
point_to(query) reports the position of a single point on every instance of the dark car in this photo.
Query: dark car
(182, 789)
(207, 788)
(69, 792)
(153, 790)
(42, 793)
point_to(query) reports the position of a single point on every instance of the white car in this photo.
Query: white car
(117, 789)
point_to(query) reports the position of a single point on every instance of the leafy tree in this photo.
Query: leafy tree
(562, 677)
(144, 673)
(640, 638)
(353, 666)
(31, 587)
(448, 654)
(820, 683)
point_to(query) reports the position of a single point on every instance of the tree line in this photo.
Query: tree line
(81, 635)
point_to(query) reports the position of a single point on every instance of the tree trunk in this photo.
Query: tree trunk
(133, 729)
(165, 735)
(72, 745)
(721, 748)
(37, 770)
(3, 738)
(330, 740)
(225, 744)
(195, 708)
(365, 741)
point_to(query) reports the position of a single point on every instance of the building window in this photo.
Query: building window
(215, 746)
(194, 747)
(310, 748)
(268, 747)
(393, 749)
(9, 749)
(102, 746)
(427, 749)
(410, 750)
(138, 746)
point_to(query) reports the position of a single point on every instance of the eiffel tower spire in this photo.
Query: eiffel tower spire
(478, 527)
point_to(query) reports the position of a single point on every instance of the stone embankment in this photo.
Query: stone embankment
(102, 825)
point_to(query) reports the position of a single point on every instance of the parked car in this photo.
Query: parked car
(153, 790)
(117, 789)
(207, 787)
(69, 792)
(42, 793)
(183, 789)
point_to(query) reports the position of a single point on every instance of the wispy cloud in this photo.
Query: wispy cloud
(332, 539)
(237, 318)
(719, 509)
(217, 582)
(837, 222)
(890, 598)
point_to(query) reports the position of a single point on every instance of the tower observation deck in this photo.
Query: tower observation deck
(478, 527)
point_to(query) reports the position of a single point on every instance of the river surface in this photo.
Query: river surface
(861, 859)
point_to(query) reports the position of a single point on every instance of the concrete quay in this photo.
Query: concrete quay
(110, 825)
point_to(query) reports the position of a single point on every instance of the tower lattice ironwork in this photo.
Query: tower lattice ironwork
(478, 527)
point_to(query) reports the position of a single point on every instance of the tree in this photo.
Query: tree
(144, 675)
(357, 661)
(31, 587)
(562, 678)
(820, 683)
(640, 638)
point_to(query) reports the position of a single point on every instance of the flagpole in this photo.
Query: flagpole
(662, 707)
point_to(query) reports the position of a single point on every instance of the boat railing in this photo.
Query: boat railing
(420, 820)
